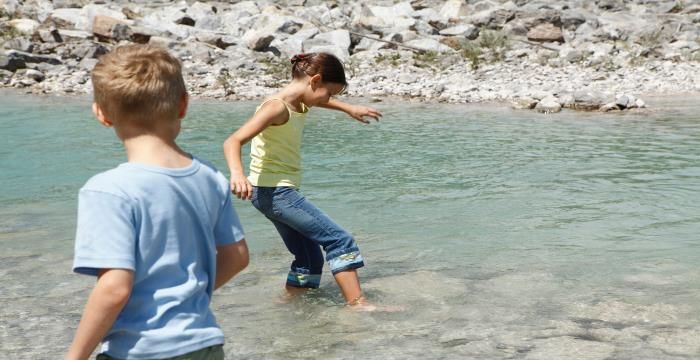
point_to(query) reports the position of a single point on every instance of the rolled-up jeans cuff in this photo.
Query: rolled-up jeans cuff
(348, 261)
(303, 279)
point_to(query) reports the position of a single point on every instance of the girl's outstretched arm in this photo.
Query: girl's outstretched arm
(357, 112)
(273, 112)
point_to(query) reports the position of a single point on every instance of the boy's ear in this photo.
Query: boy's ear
(101, 117)
(184, 102)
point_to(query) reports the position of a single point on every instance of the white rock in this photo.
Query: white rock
(336, 42)
(25, 26)
(454, 9)
(548, 105)
(429, 45)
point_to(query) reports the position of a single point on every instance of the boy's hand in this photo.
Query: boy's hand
(358, 112)
(241, 187)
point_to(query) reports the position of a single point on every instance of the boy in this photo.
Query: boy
(159, 231)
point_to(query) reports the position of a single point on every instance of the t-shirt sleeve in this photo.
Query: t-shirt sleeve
(228, 229)
(106, 234)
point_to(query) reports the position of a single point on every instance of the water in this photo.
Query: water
(506, 234)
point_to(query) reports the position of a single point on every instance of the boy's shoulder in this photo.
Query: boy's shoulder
(110, 181)
(120, 180)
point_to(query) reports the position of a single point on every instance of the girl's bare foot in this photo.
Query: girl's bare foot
(290, 293)
(361, 304)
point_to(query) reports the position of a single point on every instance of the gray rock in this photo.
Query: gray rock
(336, 42)
(9, 6)
(546, 33)
(24, 26)
(609, 107)
(199, 11)
(11, 63)
(587, 101)
(5, 75)
(38, 76)
(163, 42)
(294, 44)
(407, 78)
(624, 102)
(493, 19)
(454, 9)
(257, 40)
(640, 103)
(33, 58)
(48, 36)
(68, 19)
(71, 35)
(523, 103)
(548, 105)
(571, 19)
(429, 45)
(21, 44)
(469, 31)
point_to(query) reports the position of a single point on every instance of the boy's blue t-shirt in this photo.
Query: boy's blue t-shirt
(164, 225)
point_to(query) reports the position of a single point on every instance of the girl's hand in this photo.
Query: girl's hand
(241, 187)
(358, 112)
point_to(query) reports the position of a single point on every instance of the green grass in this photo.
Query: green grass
(393, 59)
(278, 67)
(490, 46)
(678, 7)
(651, 39)
(8, 32)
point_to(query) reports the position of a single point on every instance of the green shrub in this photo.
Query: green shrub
(8, 32)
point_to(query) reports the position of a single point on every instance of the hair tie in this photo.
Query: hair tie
(299, 57)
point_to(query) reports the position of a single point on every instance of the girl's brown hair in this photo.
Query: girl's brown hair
(325, 64)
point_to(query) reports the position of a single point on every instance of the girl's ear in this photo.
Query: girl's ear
(101, 117)
(315, 81)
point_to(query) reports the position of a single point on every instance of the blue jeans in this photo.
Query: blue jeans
(305, 229)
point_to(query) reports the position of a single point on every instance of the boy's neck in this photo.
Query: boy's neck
(153, 150)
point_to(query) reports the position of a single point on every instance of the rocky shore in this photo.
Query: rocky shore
(542, 55)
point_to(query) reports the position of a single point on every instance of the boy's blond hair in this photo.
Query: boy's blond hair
(139, 84)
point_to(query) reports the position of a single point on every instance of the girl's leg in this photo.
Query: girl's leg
(306, 268)
(342, 254)
(305, 271)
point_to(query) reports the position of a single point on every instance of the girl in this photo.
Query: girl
(275, 175)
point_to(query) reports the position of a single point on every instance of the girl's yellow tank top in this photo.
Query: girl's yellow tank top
(275, 153)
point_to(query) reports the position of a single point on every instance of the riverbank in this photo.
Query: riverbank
(553, 54)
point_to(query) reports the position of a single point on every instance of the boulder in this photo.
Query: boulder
(51, 35)
(587, 101)
(545, 33)
(336, 42)
(5, 76)
(548, 105)
(454, 9)
(73, 35)
(469, 31)
(609, 107)
(258, 40)
(103, 27)
(294, 44)
(523, 103)
(21, 44)
(33, 58)
(68, 19)
(37, 75)
(24, 26)
(493, 19)
(428, 45)
(11, 63)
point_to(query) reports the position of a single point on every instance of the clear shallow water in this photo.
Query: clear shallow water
(506, 234)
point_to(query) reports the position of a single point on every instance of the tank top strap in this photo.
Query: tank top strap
(286, 104)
